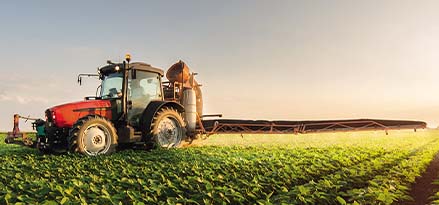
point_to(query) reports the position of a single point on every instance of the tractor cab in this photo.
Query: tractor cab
(143, 86)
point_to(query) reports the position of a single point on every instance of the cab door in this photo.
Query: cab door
(143, 87)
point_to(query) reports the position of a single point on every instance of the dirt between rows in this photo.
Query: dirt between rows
(423, 188)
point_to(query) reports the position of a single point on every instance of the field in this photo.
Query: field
(330, 168)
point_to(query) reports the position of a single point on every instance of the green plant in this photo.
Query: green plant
(371, 170)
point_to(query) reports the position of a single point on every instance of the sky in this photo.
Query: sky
(290, 60)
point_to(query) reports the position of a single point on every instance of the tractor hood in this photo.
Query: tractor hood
(65, 115)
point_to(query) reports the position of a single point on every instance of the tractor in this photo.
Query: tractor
(132, 107)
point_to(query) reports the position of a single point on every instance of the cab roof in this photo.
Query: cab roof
(108, 69)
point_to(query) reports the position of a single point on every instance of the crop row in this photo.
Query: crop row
(384, 180)
(435, 197)
(212, 175)
(217, 175)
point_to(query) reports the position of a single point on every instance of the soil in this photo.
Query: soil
(423, 188)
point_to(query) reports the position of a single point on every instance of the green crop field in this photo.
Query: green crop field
(329, 168)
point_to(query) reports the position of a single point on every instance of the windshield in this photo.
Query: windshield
(112, 85)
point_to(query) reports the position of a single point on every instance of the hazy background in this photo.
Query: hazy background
(256, 59)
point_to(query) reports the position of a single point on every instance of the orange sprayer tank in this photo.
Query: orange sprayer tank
(179, 72)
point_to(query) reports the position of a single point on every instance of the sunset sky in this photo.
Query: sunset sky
(291, 60)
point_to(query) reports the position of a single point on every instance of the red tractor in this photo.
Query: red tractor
(132, 107)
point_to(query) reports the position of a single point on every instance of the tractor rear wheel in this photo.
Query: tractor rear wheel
(168, 128)
(92, 135)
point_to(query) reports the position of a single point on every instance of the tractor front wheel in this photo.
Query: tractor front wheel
(92, 135)
(8, 140)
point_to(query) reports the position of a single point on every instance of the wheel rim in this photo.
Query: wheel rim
(96, 140)
(169, 132)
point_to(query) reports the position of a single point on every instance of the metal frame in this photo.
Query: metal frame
(172, 86)
(273, 128)
(348, 125)
(250, 128)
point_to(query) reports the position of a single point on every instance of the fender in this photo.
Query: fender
(151, 110)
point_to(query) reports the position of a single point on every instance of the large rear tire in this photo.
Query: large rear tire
(168, 128)
(92, 135)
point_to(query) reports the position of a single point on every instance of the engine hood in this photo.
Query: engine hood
(66, 115)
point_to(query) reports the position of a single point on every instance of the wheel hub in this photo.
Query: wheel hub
(168, 135)
(96, 140)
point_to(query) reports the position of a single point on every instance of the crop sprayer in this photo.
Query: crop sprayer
(134, 107)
